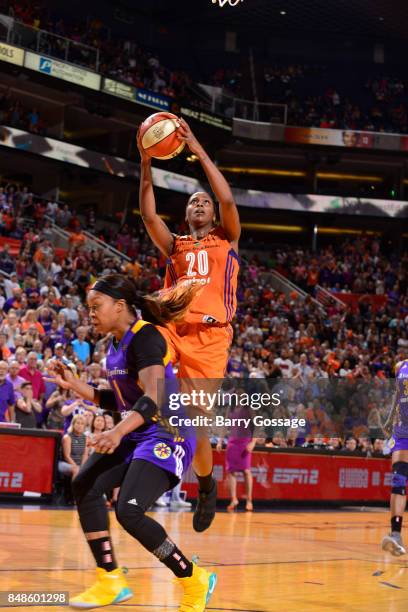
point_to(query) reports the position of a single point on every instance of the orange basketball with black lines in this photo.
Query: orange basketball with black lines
(158, 135)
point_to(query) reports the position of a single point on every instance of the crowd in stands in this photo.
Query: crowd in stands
(335, 364)
(15, 114)
(315, 95)
(370, 447)
(228, 79)
(356, 266)
(316, 99)
(94, 46)
(325, 352)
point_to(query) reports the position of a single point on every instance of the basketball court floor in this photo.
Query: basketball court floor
(266, 561)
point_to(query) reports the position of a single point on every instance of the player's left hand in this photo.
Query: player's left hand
(185, 134)
(106, 442)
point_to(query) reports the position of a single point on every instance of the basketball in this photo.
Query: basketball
(158, 134)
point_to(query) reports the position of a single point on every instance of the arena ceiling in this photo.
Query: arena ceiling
(381, 19)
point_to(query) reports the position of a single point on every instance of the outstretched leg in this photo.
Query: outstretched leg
(143, 484)
(100, 474)
(393, 541)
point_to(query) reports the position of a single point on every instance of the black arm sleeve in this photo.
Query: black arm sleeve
(105, 398)
(147, 348)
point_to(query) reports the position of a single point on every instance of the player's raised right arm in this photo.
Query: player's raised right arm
(155, 226)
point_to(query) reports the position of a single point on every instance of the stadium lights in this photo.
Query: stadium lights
(260, 171)
(355, 232)
(329, 176)
(334, 176)
(266, 227)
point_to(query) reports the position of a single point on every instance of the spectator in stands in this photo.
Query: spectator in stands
(5, 352)
(82, 348)
(64, 216)
(52, 209)
(59, 353)
(74, 448)
(26, 407)
(30, 321)
(7, 399)
(70, 313)
(6, 261)
(350, 445)
(334, 444)
(378, 447)
(76, 405)
(32, 374)
(364, 445)
(109, 422)
(284, 364)
(54, 404)
(94, 375)
(15, 379)
(98, 424)
(33, 120)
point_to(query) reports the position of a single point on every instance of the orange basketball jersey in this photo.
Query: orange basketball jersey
(213, 263)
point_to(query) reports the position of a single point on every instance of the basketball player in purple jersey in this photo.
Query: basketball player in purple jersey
(142, 455)
(397, 422)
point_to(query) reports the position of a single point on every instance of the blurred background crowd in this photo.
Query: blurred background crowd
(333, 365)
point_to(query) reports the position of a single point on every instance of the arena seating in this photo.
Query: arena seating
(274, 334)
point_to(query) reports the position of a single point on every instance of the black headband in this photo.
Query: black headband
(103, 286)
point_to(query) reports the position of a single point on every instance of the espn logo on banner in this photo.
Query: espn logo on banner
(11, 480)
(295, 476)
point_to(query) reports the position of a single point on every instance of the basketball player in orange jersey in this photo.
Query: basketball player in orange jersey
(208, 255)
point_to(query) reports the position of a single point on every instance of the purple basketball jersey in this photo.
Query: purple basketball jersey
(151, 442)
(401, 420)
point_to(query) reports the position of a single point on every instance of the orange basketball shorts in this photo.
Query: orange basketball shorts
(201, 350)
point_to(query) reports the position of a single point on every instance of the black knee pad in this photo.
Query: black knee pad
(399, 477)
(146, 530)
(130, 515)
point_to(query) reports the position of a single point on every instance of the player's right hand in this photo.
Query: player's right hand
(143, 153)
(60, 374)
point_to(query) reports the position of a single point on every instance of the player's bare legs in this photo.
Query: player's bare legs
(393, 542)
(248, 489)
(232, 482)
(203, 457)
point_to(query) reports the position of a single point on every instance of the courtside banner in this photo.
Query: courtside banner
(306, 477)
(26, 463)
(62, 70)
(12, 55)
